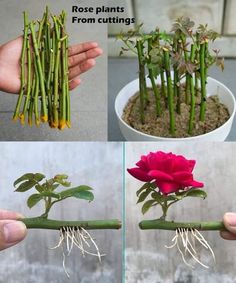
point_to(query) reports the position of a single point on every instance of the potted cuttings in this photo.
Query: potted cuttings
(71, 233)
(168, 179)
(174, 98)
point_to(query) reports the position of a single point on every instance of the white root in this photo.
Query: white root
(187, 245)
(76, 237)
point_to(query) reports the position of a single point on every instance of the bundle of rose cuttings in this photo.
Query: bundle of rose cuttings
(168, 179)
(44, 93)
(71, 233)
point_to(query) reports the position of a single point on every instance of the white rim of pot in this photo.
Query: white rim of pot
(176, 139)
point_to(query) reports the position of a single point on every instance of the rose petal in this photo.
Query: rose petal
(180, 164)
(182, 176)
(141, 164)
(191, 164)
(197, 184)
(139, 174)
(168, 187)
(160, 175)
(152, 161)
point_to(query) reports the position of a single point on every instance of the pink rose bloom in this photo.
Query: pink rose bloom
(171, 172)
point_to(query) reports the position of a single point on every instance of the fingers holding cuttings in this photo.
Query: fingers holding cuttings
(74, 83)
(80, 48)
(11, 233)
(89, 54)
(227, 235)
(229, 220)
(81, 68)
(9, 215)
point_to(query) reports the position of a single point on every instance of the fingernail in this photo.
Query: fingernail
(231, 219)
(14, 231)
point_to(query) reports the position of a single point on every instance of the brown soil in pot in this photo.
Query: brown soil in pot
(216, 115)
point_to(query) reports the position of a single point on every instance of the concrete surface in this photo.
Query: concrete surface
(123, 70)
(147, 260)
(98, 165)
(89, 100)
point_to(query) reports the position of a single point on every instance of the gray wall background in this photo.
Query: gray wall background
(88, 101)
(147, 260)
(96, 164)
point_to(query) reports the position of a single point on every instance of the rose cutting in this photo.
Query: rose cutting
(168, 178)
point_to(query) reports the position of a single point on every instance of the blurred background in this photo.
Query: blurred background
(147, 260)
(88, 101)
(98, 165)
(218, 14)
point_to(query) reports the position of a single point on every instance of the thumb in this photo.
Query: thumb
(11, 232)
(230, 222)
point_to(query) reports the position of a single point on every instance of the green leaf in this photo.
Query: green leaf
(26, 186)
(50, 194)
(78, 192)
(144, 195)
(157, 196)
(24, 177)
(29, 176)
(61, 177)
(33, 200)
(39, 188)
(146, 186)
(196, 193)
(54, 186)
(86, 195)
(147, 205)
(63, 183)
(38, 177)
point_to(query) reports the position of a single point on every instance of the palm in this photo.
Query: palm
(81, 59)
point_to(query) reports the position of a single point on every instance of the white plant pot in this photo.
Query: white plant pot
(214, 87)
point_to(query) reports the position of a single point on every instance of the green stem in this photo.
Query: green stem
(192, 92)
(31, 103)
(169, 91)
(187, 75)
(203, 82)
(62, 123)
(151, 77)
(163, 88)
(44, 116)
(27, 98)
(56, 74)
(68, 122)
(36, 95)
(177, 80)
(171, 225)
(23, 79)
(141, 81)
(197, 61)
(43, 223)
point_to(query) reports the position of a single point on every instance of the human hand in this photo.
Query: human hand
(11, 231)
(229, 220)
(81, 59)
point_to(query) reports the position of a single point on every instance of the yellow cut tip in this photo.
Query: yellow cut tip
(62, 125)
(22, 118)
(54, 124)
(68, 124)
(44, 118)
